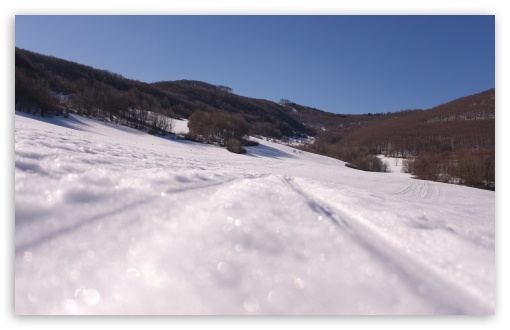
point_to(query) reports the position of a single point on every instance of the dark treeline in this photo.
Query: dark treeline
(50, 86)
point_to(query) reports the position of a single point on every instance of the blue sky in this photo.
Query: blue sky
(342, 64)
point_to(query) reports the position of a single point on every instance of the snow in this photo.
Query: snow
(110, 220)
(180, 126)
(394, 165)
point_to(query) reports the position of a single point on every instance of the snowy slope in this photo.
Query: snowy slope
(110, 220)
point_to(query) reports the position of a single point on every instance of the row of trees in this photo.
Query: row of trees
(221, 128)
(357, 157)
(204, 85)
(474, 169)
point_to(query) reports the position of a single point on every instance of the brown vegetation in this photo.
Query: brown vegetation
(218, 128)
(453, 142)
(50, 86)
(474, 169)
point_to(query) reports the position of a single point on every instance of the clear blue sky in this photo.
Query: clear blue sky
(342, 64)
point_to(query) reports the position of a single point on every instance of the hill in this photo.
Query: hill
(265, 117)
(453, 142)
(52, 86)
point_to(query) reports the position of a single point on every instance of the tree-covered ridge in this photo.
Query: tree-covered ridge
(453, 142)
(52, 86)
(264, 117)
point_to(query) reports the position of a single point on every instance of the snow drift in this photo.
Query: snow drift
(111, 220)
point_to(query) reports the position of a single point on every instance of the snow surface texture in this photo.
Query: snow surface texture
(110, 220)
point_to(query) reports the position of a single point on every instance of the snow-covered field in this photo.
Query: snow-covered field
(110, 220)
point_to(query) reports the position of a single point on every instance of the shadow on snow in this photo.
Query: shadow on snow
(266, 151)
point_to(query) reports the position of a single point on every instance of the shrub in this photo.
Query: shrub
(476, 169)
(235, 146)
(431, 167)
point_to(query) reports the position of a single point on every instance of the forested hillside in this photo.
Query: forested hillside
(453, 142)
(265, 117)
(52, 86)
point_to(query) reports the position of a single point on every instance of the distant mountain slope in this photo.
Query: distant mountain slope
(466, 123)
(453, 142)
(266, 117)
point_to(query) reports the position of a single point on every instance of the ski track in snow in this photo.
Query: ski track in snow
(113, 221)
(410, 270)
(428, 191)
